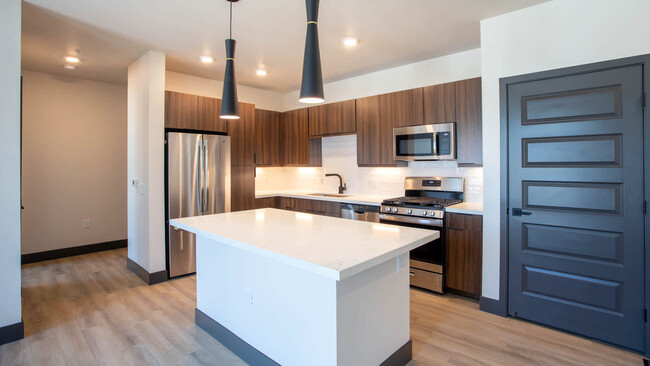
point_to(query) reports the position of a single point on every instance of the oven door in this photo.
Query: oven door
(427, 261)
(414, 143)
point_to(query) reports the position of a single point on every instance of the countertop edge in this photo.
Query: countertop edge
(308, 266)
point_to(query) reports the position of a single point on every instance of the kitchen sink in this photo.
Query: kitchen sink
(328, 195)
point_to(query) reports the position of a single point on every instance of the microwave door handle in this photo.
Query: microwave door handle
(435, 143)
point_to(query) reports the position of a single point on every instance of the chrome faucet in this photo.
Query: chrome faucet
(342, 186)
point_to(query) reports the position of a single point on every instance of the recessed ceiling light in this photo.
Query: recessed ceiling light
(350, 41)
(72, 59)
(261, 72)
(69, 67)
(207, 59)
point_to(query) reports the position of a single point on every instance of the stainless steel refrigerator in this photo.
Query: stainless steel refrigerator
(198, 183)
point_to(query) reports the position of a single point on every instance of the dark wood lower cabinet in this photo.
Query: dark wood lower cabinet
(242, 189)
(316, 207)
(269, 202)
(464, 258)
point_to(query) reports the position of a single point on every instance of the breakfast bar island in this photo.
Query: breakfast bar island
(280, 287)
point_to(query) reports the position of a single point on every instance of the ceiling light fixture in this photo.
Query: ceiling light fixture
(206, 59)
(350, 41)
(69, 67)
(261, 72)
(311, 89)
(72, 59)
(229, 101)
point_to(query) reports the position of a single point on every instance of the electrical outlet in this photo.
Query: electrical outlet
(250, 297)
(86, 224)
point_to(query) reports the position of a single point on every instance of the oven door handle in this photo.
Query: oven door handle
(411, 220)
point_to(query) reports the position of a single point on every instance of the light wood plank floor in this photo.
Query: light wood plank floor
(90, 310)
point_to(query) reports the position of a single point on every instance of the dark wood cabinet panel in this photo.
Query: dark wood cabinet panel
(286, 203)
(376, 118)
(317, 207)
(209, 110)
(332, 119)
(464, 258)
(403, 108)
(181, 110)
(439, 103)
(268, 202)
(268, 140)
(242, 187)
(242, 136)
(298, 148)
(464, 222)
(469, 120)
(193, 112)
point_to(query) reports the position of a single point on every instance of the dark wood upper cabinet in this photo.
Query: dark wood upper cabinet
(439, 103)
(193, 112)
(209, 112)
(242, 136)
(242, 191)
(268, 141)
(181, 110)
(464, 258)
(469, 120)
(332, 119)
(376, 118)
(402, 108)
(298, 148)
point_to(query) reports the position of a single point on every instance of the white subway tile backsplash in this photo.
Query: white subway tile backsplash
(340, 156)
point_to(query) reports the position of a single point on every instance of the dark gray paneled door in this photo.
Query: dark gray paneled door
(576, 252)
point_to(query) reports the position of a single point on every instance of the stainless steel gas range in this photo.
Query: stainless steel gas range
(422, 206)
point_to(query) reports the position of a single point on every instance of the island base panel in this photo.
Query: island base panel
(296, 317)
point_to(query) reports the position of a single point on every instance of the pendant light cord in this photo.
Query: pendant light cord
(231, 20)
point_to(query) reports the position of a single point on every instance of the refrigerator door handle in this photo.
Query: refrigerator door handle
(199, 177)
(206, 176)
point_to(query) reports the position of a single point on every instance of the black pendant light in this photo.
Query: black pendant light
(229, 102)
(311, 90)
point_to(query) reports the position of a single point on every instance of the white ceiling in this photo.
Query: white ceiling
(110, 35)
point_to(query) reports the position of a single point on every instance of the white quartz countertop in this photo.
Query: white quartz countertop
(352, 198)
(332, 247)
(470, 208)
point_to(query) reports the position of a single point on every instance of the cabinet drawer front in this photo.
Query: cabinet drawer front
(464, 222)
(425, 279)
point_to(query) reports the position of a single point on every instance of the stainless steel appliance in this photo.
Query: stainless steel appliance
(359, 212)
(423, 207)
(426, 142)
(198, 183)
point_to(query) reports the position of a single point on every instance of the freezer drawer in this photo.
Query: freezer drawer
(425, 279)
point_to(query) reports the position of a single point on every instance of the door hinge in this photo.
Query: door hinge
(643, 99)
(645, 315)
(507, 211)
(645, 207)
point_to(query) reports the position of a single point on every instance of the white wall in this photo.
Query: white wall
(10, 16)
(340, 156)
(146, 113)
(552, 35)
(457, 66)
(188, 84)
(74, 162)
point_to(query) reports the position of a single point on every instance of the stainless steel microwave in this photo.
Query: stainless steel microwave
(426, 142)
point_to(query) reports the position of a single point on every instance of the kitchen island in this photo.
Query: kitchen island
(279, 287)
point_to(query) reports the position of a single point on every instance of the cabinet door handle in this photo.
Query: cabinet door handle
(411, 274)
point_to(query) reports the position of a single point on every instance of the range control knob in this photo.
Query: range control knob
(424, 213)
(409, 211)
(394, 209)
(433, 213)
(387, 209)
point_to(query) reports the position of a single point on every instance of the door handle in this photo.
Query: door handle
(206, 176)
(519, 212)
